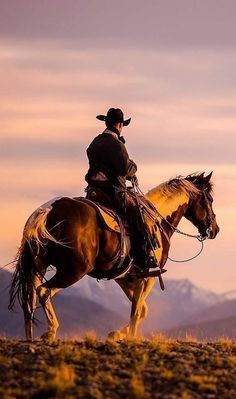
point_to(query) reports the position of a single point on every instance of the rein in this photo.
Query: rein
(187, 260)
(176, 230)
(198, 236)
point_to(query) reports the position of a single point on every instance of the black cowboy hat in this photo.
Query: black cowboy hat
(114, 115)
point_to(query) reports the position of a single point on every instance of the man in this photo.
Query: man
(109, 168)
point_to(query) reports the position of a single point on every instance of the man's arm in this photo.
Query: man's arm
(122, 164)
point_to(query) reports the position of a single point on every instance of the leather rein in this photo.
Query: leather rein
(198, 236)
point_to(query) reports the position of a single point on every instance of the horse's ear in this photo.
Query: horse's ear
(208, 178)
(201, 175)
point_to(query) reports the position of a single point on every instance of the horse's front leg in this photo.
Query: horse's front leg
(128, 288)
(135, 292)
(139, 307)
(136, 308)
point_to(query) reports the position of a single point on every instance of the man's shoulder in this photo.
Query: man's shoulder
(107, 138)
(97, 138)
(103, 140)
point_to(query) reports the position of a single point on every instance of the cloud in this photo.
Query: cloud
(169, 65)
(203, 149)
(182, 108)
(157, 73)
(127, 24)
(41, 151)
(151, 174)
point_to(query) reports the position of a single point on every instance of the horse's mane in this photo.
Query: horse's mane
(191, 185)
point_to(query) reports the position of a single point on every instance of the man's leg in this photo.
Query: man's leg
(140, 240)
(100, 194)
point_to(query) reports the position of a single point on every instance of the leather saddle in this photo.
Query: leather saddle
(111, 221)
(108, 218)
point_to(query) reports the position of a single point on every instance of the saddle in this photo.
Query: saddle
(111, 221)
(108, 218)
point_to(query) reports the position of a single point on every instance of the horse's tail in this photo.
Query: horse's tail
(35, 236)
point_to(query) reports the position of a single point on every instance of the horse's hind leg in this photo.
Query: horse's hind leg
(46, 291)
(45, 296)
(30, 297)
(29, 306)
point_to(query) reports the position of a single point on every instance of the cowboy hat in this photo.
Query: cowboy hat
(114, 115)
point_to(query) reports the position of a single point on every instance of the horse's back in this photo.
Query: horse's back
(70, 218)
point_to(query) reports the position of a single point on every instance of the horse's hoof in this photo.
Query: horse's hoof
(117, 335)
(48, 336)
(29, 340)
(114, 336)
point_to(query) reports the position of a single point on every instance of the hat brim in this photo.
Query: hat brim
(103, 118)
(127, 122)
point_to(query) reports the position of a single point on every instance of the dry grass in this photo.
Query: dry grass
(131, 369)
(204, 382)
(60, 381)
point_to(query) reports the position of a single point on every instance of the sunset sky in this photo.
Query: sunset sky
(169, 64)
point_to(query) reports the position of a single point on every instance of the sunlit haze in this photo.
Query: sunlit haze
(170, 65)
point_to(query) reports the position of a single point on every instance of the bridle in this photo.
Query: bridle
(210, 215)
(198, 236)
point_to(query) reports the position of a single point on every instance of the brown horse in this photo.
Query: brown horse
(66, 234)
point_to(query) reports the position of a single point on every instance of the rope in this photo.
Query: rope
(187, 260)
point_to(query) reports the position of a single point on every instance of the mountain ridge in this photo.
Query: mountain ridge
(206, 330)
(102, 306)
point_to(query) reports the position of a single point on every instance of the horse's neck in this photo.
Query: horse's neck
(171, 207)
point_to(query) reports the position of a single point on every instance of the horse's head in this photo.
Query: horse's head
(200, 211)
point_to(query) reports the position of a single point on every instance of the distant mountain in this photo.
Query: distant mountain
(102, 306)
(229, 295)
(218, 311)
(180, 300)
(206, 331)
(212, 322)
(76, 315)
(105, 293)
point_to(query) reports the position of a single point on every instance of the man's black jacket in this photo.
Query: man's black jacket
(107, 154)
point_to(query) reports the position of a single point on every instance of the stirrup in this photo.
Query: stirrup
(150, 273)
(152, 263)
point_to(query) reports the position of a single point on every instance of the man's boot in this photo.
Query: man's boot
(144, 259)
(152, 263)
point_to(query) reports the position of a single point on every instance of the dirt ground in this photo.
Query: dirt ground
(155, 368)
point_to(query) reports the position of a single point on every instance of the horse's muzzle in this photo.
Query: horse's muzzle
(212, 232)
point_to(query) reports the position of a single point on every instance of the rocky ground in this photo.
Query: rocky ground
(155, 368)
